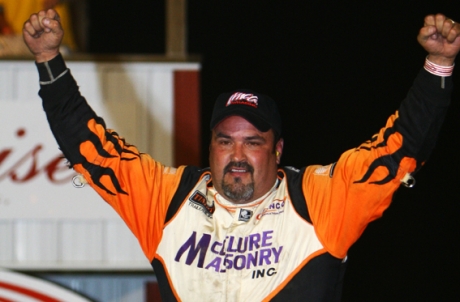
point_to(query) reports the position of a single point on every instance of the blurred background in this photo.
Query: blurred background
(337, 69)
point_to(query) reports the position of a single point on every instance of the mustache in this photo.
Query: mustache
(242, 164)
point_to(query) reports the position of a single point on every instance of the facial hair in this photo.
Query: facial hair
(238, 191)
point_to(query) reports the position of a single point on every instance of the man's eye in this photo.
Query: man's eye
(253, 144)
(224, 142)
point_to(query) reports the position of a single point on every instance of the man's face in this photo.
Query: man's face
(243, 160)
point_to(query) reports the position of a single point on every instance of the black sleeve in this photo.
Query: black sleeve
(66, 110)
(415, 129)
(421, 116)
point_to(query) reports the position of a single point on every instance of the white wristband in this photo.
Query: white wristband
(442, 71)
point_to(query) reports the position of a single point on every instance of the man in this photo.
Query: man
(245, 229)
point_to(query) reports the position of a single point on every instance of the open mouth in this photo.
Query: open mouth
(238, 168)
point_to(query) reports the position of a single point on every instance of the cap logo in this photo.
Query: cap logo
(239, 98)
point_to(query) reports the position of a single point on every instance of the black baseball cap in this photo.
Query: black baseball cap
(260, 110)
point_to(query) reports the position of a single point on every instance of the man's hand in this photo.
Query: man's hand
(440, 36)
(43, 35)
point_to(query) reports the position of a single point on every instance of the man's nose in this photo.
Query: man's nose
(238, 153)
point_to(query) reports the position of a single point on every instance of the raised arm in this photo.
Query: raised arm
(136, 186)
(346, 196)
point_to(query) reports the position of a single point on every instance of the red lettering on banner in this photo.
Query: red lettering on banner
(32, 170)
(52, 169)
(4, 154)
(55, 166)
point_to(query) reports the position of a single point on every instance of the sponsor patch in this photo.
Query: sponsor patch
(275, 208)
(199, 201)
(245, 215)
(252, 252)
(240, 98)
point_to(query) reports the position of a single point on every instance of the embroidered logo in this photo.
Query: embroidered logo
(240, 98)
(322, 170)
(199, 201)
(245, 215)
(275, 208)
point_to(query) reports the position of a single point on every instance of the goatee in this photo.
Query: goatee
(238, 191)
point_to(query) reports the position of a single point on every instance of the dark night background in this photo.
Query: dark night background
(337, 69)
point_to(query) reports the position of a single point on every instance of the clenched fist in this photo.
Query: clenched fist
(43, 35)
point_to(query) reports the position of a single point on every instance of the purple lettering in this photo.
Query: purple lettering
(265, 237)
(222, 251)
(230, 244)
(214, 245)
(237, 264)
(228, 262)
(254, 241)
(277, 253)
(265, 255)
(202, 247)
(252, 259)
(215, 263)
(240, 242)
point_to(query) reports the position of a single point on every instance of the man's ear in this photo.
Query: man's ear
(279, 150)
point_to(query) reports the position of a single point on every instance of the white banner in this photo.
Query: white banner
(35, 181)
(46, 223)
(135, 99)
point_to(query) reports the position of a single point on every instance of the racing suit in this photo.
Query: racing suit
(291, 243)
